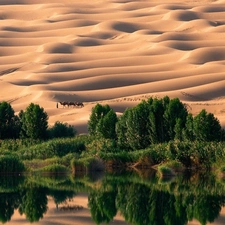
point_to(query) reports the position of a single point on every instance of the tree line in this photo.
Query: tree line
(30, 123)
(154, 121)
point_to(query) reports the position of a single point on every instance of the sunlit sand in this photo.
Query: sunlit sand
(114, 52)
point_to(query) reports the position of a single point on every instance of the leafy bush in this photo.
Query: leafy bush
(165, 171)
(34, 122)
(54, 168)
(174, 165)
(87, 165)
(222, 169)
(60, 130)
(10, 163)
(16, 144)
(52, 148)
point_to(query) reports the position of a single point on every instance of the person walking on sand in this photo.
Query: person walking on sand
(57, 106)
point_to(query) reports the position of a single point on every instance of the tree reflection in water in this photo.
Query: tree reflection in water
(155, 202)
(139, 200)
(102, 206)
(33, 202)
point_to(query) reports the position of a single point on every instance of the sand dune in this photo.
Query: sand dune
(115, 52)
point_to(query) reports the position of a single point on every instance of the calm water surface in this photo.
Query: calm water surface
(135, 198)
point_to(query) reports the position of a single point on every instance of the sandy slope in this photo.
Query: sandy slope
(114, 52)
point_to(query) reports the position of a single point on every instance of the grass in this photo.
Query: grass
(165, 171)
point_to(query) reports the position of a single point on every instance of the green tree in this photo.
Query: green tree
(132, 127)
(207, 127)
(9, 122)
(178, 130)
(121, 130)
(8, 203)
(60, 130)
(107, 125)
(137, 133)
(188, 131)
(102, 206)
(102, 121)
(34, 203)
(34, 122)
(175, 110)
(156, 121)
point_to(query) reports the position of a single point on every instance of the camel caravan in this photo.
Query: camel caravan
(71, 104)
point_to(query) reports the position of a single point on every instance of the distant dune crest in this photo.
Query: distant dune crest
(109, 52)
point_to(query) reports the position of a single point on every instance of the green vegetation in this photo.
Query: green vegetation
(54, 169)
(34, 122)
(156, 131)
(10, 163)
(102, 122)
(199, 196)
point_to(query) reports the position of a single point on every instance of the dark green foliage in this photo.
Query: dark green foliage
(9, 122)
(100, 144)
(103, 206)
(16, 144)
(151, 122)
(188, 131)
(106, 125)
(34, 122)
(34, 203)
(206, 127)
(132, 127)
(54, 169)
(175, 111)
(61, 196)
(10, 163)
(60, 130)
(49, 149)
(121, 130)
(102, 122)
(156, 121)
(8, 203)
(137, 126)
(178, 130)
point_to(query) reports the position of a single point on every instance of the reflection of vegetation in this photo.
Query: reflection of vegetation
(139, 200)
(54, 169)
(10, 183)
(8, 202)
(102, 206)
(34, 203)
(61, 196)
(150, 202)
(10, 163)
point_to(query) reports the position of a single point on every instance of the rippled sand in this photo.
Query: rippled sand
(114, 52)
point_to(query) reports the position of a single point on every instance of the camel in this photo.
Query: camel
(78, 104)
(63, 104)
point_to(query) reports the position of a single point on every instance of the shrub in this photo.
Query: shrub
(175, 166)
(10, 163)
(34, 122)
(165, 171)
(87, 165)
(54, 169)
(53, 148)
(60, 130)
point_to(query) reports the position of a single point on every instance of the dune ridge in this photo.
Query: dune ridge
(114, 52)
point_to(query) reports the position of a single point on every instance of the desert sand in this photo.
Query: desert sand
(115, 52)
